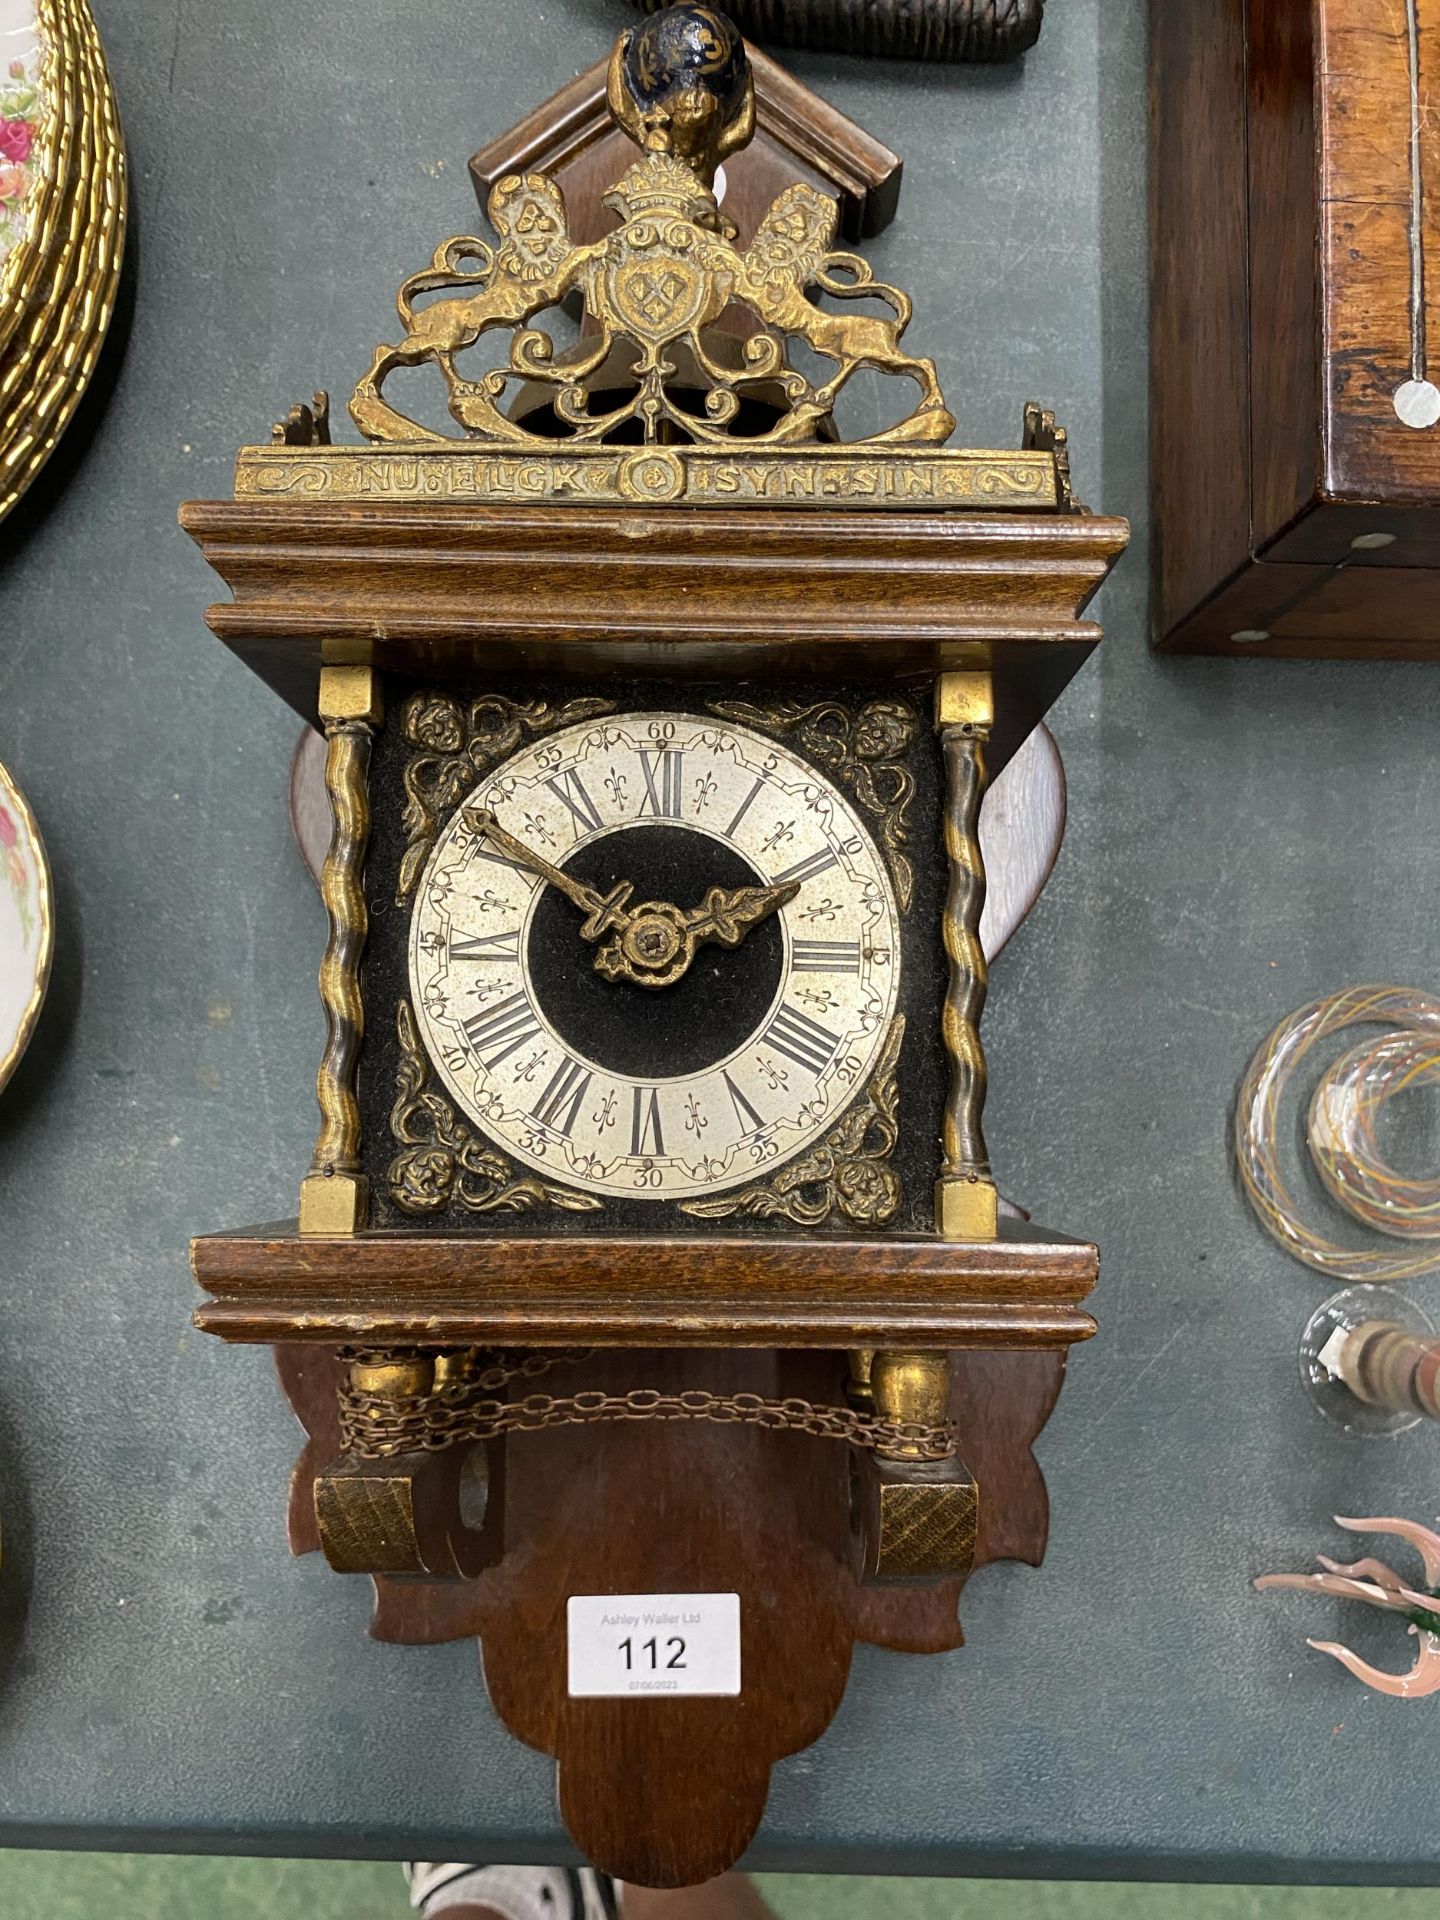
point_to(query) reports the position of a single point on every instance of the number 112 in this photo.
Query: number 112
(652, 1647)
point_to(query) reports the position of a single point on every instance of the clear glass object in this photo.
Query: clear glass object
(1342, 1132)
(1343, 1313)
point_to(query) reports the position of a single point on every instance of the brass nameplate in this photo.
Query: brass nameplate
(950, 480)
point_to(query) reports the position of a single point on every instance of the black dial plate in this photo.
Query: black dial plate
(719, 998)
(643, 1031)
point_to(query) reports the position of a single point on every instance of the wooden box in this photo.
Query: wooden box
(1295, 205)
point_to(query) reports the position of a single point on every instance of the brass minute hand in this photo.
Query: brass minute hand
(604, 911)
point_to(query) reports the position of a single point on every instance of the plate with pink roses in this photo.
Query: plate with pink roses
(23, 124)
(62, 224)
(27, 924)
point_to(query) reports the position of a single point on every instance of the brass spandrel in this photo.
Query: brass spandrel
(443, 1162)
(848, 1178)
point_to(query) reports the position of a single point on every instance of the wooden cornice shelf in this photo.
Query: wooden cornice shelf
(457, 592)
(1022, 1290)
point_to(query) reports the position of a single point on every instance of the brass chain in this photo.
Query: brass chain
(376, 1426)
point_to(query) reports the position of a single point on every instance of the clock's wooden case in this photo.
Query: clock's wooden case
(496, 562)
(1294, 215)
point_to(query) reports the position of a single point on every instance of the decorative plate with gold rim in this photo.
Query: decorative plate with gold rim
(27, 924)
(62, 225)
(28, 149)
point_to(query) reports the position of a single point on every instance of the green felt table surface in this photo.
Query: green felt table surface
(1243, 835)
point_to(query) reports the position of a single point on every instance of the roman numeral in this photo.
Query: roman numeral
(664, 798)
(801, 1039)
(804, 870)
(485, 946)
(745, 804)
(570, 788)
(825, 956)
(645, 1123)
(747, 1116)
(559, 1105)
(505, 1027)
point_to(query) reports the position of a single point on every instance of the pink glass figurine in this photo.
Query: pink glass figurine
(1380, 1586)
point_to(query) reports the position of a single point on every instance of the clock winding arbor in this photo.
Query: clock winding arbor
(650, 1244)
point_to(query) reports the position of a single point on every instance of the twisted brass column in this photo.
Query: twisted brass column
(965, 1198)
(332, 1196)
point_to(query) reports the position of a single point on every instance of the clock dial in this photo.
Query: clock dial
(549, 968)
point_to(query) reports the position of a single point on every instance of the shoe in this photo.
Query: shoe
(516, 1893)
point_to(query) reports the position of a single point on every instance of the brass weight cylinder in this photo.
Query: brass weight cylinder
(399, 1376)
(911, 1386)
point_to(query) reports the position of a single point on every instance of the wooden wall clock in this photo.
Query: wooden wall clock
(1295, 409)
(650, 1267)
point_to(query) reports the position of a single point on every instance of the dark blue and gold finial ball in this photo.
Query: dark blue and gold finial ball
(682, 48)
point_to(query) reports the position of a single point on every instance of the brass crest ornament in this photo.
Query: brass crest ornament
(683, 384)
(654, 290)
(655, 287)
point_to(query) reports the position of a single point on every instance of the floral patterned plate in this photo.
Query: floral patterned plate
(34, 148)
(62, 224)
(27, 924)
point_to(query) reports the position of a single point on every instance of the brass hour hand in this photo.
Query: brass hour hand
(603, 911)
(655, 946)
(727, 916)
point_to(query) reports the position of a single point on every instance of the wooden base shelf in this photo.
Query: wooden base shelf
(1022, 1290)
